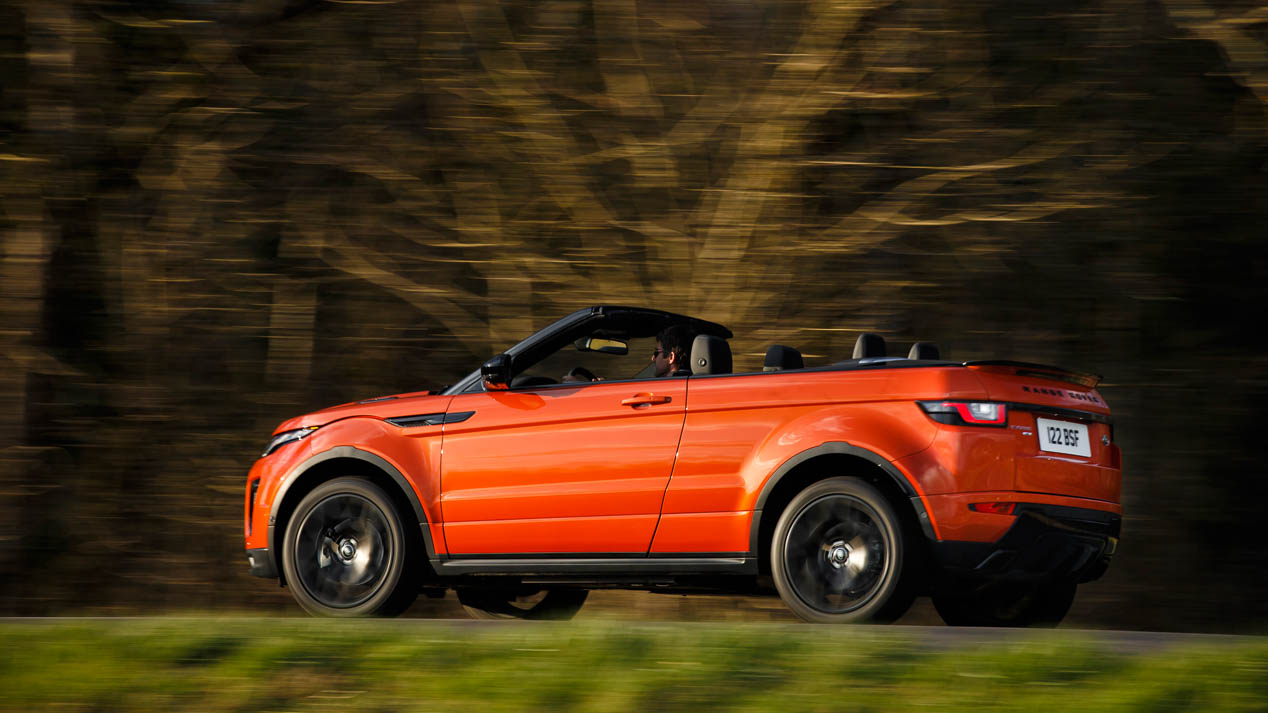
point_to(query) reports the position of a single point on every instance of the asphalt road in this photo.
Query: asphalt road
(921, 624)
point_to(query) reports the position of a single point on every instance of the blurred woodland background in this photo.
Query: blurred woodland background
(216, 215)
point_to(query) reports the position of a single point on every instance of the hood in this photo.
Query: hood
(381, 407)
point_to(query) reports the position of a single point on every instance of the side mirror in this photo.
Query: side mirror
(602, 345)
(497, 373)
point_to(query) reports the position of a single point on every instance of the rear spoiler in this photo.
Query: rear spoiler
(1042, 371)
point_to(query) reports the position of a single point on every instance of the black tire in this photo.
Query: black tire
(1006, 604)
(348, 553)
(841, 555)
(557, 604)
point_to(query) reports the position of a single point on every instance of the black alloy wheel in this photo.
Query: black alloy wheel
(557, 604)
(1014, 604)
(839, 555)
(347, 552)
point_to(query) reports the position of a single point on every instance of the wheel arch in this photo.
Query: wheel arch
(334, 463)
(826, 461)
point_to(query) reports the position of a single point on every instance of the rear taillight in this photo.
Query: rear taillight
(966, 413)
(994, 508)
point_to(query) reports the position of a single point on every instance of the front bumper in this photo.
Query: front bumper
(261, 562)
(1045, 542)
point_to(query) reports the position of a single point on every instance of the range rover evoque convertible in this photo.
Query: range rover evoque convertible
(849, 489)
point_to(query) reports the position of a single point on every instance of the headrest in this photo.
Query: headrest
(780, 357)
(869, 345)
(710, 355)
(924, 350)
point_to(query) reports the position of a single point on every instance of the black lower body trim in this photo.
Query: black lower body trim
(536, 565)
(261, 562)
(1039, 545)
(922, 517)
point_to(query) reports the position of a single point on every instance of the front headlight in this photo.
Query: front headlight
(285, 437)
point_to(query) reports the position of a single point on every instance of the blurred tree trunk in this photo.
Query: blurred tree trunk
(41, 113)
(32, 165)
(1238, 29)
(291, 332)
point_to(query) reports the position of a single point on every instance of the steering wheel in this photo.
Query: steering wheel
(580, 373)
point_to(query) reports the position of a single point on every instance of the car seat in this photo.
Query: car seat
(780, 357)
(869, 345)
(924, 350)
(710, 355)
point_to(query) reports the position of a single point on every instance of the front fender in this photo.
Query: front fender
(410, 457)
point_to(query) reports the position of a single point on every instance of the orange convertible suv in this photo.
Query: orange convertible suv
(849, 489)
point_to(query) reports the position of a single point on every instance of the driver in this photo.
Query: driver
(673, 350)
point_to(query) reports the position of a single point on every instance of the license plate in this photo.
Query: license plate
(1063, 437)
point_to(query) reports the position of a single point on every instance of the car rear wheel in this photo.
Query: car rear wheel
(346, 552)
(1006, 604)
(522, 604)
(839, 555)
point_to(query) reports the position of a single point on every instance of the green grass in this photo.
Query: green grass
(212, 665)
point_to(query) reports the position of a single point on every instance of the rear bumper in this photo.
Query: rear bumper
(261, 562)
(1045, 542)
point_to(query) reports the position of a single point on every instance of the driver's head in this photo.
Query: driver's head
(673, 349)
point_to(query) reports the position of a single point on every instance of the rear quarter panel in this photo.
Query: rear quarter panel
(965, 465)
(741, 428)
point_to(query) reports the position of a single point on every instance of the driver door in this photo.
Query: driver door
(562, 469)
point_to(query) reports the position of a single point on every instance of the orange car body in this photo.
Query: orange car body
(627, 481)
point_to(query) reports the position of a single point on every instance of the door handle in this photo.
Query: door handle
(645, 399)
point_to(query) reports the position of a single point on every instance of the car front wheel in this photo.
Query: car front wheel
(839, 555)
(346, 552)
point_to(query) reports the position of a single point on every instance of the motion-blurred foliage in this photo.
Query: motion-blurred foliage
(217, 215)
(231, 665)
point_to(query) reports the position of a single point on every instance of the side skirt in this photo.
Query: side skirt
(640, 565)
